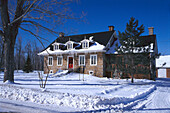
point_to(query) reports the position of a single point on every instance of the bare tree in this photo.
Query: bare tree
(18, 53)
(30, 16)
(1, 52)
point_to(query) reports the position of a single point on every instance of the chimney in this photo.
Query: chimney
(111, 28)
(61, 34)
(150, 30)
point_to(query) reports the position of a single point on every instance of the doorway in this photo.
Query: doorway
(70, 62)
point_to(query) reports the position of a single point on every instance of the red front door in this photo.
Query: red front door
(70, 62)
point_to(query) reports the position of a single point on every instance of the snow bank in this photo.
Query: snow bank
(60, 72)
(83, 102)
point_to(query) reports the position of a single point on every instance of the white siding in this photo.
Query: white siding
(161, 73)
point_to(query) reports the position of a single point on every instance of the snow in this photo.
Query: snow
(8, 82)
(163, 61)
(136, 49)
(96, 47)
(112, 48)
(69, 93)
(60, 73)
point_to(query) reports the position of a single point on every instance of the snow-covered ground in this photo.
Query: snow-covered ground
(69, 93)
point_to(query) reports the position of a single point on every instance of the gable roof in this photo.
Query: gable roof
(100, 37)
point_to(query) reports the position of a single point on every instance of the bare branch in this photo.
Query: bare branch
(37, 24)
(37, 36)
(23, 14)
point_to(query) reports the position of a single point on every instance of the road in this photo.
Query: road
(156, 102)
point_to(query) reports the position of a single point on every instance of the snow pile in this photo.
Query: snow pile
(60, 73)
(82, 102)
(91, 94)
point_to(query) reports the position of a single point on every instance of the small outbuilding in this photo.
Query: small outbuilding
(163, 66)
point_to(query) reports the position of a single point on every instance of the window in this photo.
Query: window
(50, 61)
(59, 60)
(81, 60)
(56, 47)
(85, 44)
(93, 60)
(69, 46)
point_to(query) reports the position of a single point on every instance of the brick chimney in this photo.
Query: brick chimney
(111, 28)
(61, 34)
(150, 30)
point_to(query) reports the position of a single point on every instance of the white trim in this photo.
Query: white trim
(96, 60)
(61, 60)
(85, 40)
(51, 62)
(69, 42)
(84, 60)
(84, 44)
(57, 47)
(68, 59)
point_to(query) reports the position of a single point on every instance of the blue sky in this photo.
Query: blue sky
(102, 13)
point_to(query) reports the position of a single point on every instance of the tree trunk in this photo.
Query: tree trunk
(132, 68)
(9, 60)
(132, 81)
(2, 56)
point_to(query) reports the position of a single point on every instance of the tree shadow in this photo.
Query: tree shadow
(27, 106)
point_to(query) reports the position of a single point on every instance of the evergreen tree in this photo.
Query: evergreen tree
(28, 66)
(130, 49)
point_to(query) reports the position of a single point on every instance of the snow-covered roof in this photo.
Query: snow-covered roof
(85, 40)
(70, 41)
(112, 48)
(56, 43)
(113, 51)
(96, 47)
(163, 61)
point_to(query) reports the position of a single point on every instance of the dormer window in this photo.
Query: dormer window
(56, 47)
(69, 45)
(85, 43)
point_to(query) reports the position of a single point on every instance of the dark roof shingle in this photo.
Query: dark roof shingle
(100, 37)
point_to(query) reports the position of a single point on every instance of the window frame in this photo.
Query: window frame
(84, 46)
(58, 61)
(84, 60)
(56, 47)
(93, 61)
(69, 43)
(49, 61)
